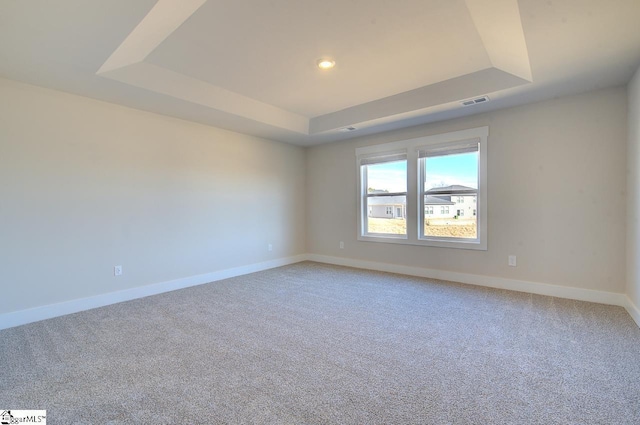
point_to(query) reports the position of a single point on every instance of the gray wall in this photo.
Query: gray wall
(633, 190)
(556, 183)
(87, 185)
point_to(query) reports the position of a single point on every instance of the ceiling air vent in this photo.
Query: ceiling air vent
(482, 99)
(348, 129)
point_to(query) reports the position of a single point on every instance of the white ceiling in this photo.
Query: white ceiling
(269, 51)
(249, 66)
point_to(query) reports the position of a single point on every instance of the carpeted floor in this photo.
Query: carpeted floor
(318, 344)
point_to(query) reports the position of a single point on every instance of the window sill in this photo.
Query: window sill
(473, 244)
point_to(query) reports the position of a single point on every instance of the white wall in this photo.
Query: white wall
(633, 190)
(556, 195)
(86, 185)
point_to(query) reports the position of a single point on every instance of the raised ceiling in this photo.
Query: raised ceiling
(250, 66)
(371, 44)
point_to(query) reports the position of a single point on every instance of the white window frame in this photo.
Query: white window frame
(415, 214)
(371, 157)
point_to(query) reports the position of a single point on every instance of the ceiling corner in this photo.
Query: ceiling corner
(499, 25)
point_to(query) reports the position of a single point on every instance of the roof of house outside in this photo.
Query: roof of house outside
(402, 200)
(387, 200)
(436, 200)
(458, 189)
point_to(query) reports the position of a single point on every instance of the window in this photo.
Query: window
(384, 182)
(449, 171)
(415, 177)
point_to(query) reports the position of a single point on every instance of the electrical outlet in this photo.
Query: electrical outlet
(270, 247)
(341, 245)
(117, 270)
(512, 261)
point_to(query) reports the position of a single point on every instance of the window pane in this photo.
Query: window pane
(387, 214)
(456, 220)
(449, 170)
(451, 185)
(387, 177)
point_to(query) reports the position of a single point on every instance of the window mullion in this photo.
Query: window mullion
(363, 200)
(412, 198)
(420, 203)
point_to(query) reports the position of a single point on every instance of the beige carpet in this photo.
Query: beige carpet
(318, 344)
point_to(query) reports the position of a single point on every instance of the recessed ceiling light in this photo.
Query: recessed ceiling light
(326, 63)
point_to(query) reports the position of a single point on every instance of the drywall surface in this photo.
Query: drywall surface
(88, 185)
(556, 195)
(633, 189)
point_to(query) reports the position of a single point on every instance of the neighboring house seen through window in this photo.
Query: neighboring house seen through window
(426, 191)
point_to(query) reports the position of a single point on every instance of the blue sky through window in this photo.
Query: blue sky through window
(448, 170)
(389, 176)
(441, 171)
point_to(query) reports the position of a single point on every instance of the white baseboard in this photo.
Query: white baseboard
(580, 294)
(633, 310)
(17, 318)
(22, 317)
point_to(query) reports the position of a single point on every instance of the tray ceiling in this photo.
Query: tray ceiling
(251, 66)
